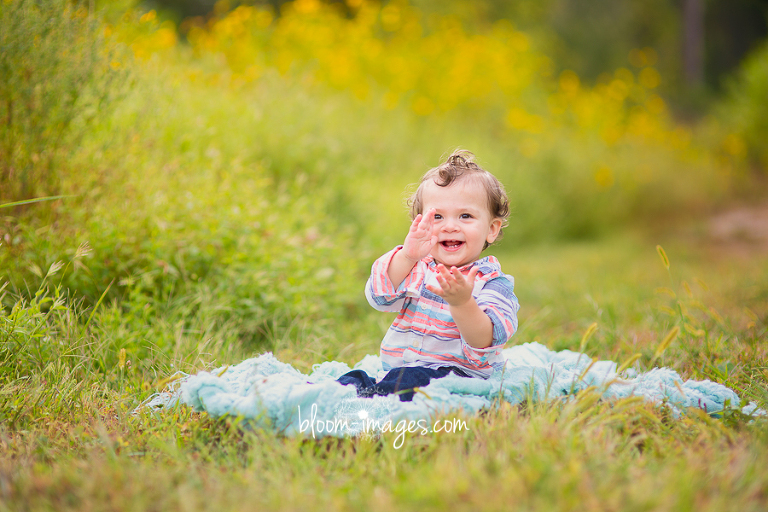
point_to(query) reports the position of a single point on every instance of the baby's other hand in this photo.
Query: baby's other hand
(455, 289)
(421, 237)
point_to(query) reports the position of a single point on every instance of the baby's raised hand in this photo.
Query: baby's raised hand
(420, 239)
(455, 289)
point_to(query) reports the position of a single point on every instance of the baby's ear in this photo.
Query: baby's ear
(493, 233)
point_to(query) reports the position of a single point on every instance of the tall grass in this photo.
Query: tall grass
(59, 71)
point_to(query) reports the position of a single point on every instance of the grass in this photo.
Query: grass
(550, 457)
(77, 446)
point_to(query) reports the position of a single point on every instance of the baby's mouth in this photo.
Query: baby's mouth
(451, 245)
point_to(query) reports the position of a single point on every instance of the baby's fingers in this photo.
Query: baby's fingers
(415, 223)
(443, 272)
(427, 220)
(435, 290)
(457, 276)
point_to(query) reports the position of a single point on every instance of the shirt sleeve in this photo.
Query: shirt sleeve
(382, 294)
(497, 299)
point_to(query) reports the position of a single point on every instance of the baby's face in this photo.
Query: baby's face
(463, 221)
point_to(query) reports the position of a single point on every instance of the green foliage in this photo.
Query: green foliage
(745, 110)
(24, 334)
(57, 72)
(204, 214)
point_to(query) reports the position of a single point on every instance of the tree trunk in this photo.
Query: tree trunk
(693, 41)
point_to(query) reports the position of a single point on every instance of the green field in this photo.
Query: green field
(76, 446)
(201, 212)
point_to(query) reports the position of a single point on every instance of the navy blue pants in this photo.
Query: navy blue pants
(401, 380)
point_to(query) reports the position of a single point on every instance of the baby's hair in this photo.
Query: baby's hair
(459, 165)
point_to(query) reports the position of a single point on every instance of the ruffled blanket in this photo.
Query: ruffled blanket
(272, 394)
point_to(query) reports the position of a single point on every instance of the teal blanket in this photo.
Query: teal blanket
(274, 395)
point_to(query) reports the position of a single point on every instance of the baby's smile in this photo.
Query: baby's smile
(451, 245)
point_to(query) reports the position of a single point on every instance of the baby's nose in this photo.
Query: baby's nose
(450, 225)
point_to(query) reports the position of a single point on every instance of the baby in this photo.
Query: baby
(456, 310)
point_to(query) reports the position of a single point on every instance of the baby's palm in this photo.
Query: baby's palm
(420, 239)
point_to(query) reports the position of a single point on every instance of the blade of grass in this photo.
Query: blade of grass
(629, 362)
(96, 306)
(666, 342)
(31, 201)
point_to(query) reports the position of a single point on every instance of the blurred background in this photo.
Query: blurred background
(234, 168)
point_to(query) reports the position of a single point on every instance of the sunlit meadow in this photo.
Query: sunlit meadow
(221, 189)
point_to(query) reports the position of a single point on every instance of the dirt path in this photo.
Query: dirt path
(742, 229)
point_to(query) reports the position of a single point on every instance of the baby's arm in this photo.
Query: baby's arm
(474, 325)
(418, 244)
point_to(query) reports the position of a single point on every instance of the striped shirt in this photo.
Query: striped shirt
(424, 333)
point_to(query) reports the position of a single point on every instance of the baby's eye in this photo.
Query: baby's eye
(438, 216)
(466, 215)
